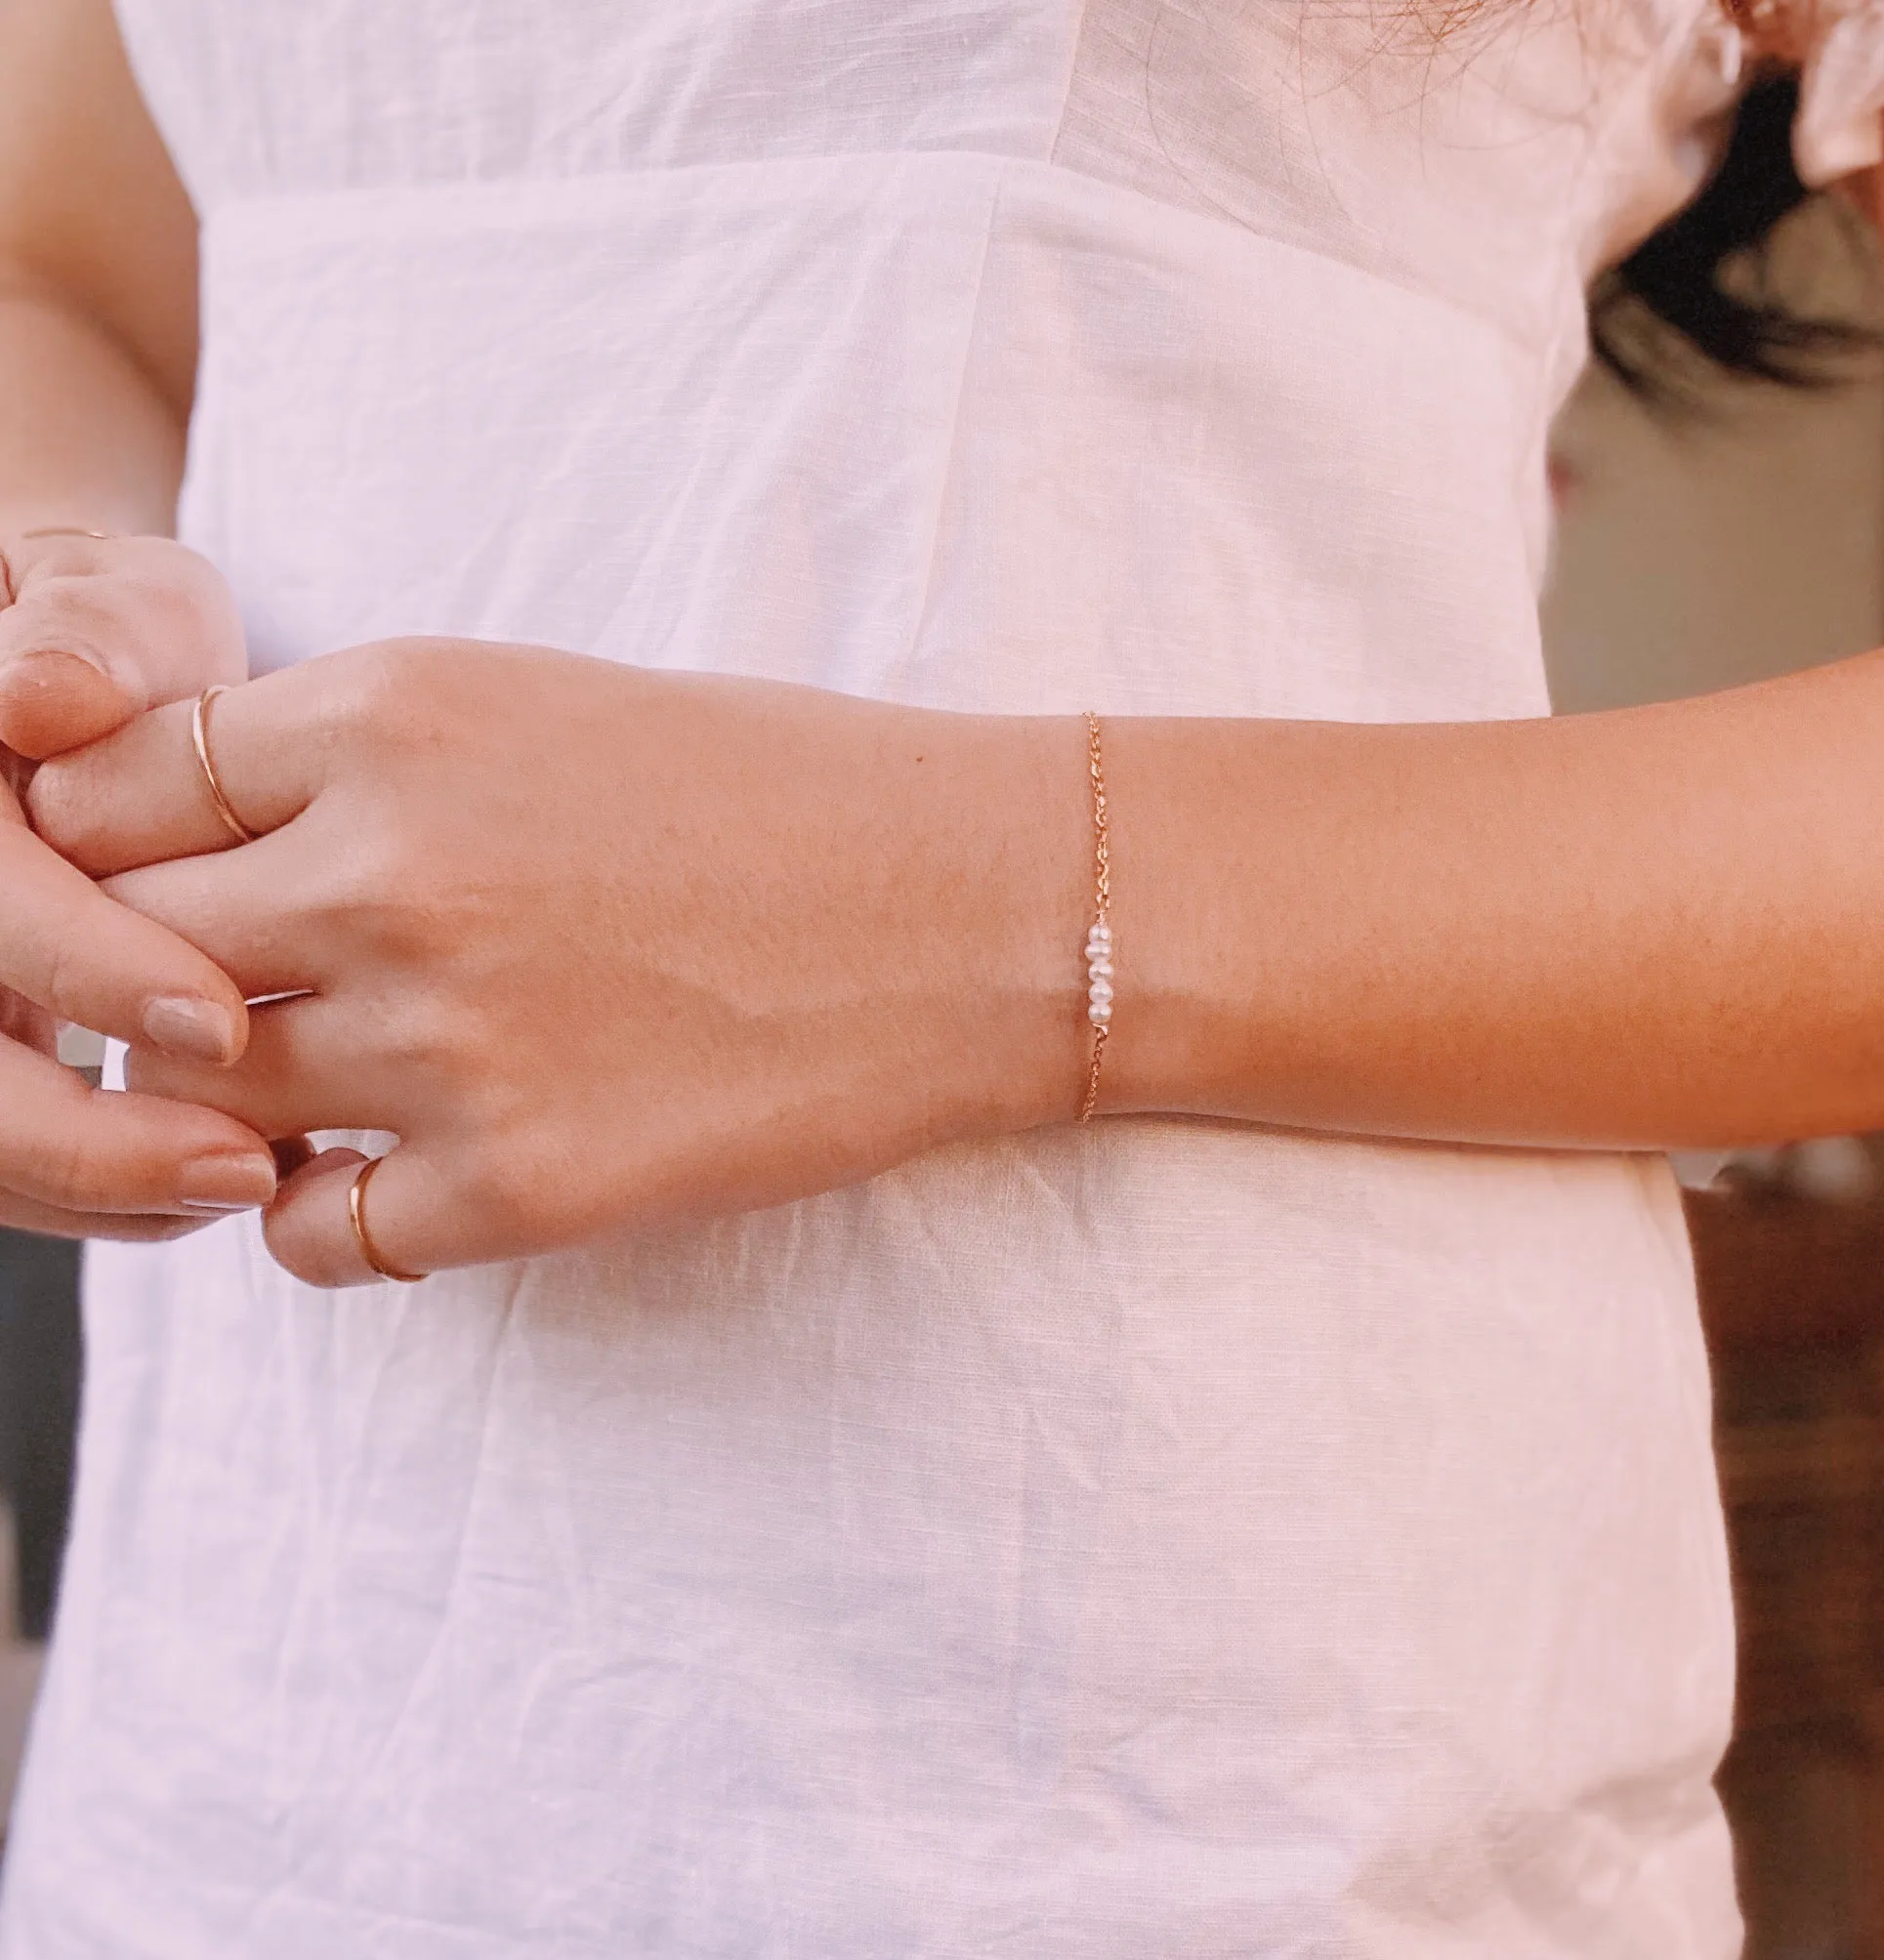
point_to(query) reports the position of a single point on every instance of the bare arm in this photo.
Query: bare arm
(1653, 926)
(1658, 927)
(807, 937)
(97, 351)
(97, 283)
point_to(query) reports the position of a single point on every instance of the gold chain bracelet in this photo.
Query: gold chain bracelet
(1098, 942)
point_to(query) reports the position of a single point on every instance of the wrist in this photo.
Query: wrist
(1161, 947)
(1023, 885)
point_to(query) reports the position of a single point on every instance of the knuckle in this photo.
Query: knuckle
(368, 896)
(430, 1035)
(172, 601)
(501, 1189)
(386, 690)
(64, 615)
(71, 1174)
(65, 990)
(61, 804)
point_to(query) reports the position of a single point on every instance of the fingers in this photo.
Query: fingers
(99, 630)
(138, 797)
(68, 949)
(254, 914)
(300, 1072)
(139, 1227)
(409, 1215)
(69, 1148)
(28, 1024)
(300, 1230)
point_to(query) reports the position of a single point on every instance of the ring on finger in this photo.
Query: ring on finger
(199, 740)
(356, 1216)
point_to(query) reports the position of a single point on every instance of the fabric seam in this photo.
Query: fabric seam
(1058, 129)
(951, 444)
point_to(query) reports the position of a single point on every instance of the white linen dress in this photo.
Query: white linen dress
(1170, 1538)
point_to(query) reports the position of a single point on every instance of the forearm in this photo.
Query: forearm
(86, 438)
(98, 281)
(1663, 926)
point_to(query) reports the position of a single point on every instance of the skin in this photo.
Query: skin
(808, 937)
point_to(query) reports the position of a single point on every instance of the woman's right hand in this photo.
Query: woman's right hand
(92, 632)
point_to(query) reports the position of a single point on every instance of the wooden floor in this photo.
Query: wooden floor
(1793, 1296)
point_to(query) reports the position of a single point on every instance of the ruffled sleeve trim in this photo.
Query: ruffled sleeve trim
(1840, 128)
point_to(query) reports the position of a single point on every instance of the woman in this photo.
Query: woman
(831, 1500)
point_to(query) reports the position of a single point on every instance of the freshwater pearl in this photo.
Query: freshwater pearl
(1099, 964)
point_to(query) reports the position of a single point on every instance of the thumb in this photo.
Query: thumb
(71, 951)
(97, 630)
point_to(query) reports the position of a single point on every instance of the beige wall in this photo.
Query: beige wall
(1693, 555)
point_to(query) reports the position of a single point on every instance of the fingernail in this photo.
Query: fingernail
(52, 669)
(193, 1030)
(241, 1182)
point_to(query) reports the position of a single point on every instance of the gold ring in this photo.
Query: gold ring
(357, 1213)
(199, 737)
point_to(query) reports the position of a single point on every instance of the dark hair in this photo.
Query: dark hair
(1702, 284)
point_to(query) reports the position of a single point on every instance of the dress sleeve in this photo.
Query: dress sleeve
(1841, 96)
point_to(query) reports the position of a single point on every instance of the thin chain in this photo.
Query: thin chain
(1101, 842)
(1102, 893)
(1092, 1078)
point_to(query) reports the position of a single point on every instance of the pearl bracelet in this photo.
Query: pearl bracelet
(1098, 942)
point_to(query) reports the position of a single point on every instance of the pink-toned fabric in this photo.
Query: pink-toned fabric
(1172, 1538)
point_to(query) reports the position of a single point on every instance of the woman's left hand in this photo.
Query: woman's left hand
(603, 947)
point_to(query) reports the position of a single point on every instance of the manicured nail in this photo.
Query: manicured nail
(240, 1182)
(193, 1030)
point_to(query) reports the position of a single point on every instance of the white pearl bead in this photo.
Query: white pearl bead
(1100, 969)
(1099, 990)
(1099, 1013)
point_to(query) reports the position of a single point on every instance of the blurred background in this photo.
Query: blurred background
(1739, 537)
(1696, 552)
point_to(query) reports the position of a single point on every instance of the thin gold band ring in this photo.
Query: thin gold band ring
(357, 1213)
(199, 740)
